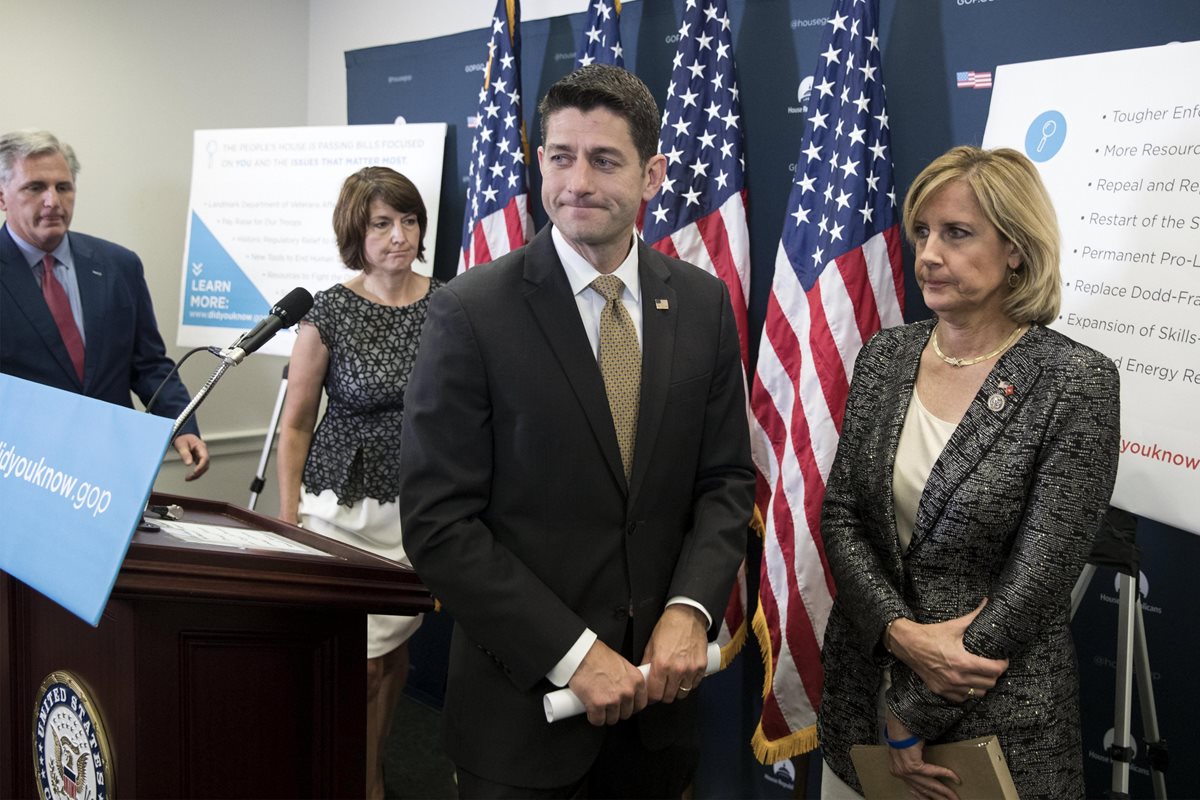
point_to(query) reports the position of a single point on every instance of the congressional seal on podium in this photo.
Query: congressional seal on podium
(72, 758)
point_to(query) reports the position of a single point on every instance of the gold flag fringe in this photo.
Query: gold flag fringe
(796, 743)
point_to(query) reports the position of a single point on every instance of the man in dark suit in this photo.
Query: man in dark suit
(91, 330)
(573, 528)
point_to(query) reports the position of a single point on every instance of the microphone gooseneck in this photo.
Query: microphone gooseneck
(287, 312)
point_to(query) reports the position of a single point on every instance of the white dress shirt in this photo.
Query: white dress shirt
(580, 275)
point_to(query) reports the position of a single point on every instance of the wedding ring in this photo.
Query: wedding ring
(684, 689)
(971, 692)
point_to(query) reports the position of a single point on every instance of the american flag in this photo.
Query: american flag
(497, 214)
(602, 37)
(974, 80)
(700, 213)
(837, 280)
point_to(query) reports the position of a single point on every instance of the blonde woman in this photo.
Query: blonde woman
(977, 457)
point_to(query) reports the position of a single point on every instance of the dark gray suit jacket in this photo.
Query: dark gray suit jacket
(514, 502)
(124, 351)
(1009, 513)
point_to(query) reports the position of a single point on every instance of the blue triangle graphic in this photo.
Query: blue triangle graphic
(218, 293)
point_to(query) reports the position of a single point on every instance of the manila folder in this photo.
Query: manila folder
(979, 763)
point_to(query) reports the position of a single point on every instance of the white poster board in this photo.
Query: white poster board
(1117, 141)
(261, 211)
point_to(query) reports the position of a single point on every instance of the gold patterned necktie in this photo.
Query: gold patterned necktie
(620, 365)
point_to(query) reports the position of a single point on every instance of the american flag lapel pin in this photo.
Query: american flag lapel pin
(661, 304)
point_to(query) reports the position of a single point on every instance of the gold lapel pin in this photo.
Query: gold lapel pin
(661, 304)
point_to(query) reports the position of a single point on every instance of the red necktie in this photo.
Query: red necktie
(60, 309)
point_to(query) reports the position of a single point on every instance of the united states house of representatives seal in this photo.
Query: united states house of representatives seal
(72, 758)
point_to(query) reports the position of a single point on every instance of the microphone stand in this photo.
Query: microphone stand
(230, 357)
(294, 305)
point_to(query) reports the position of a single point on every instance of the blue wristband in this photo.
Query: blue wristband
(900, 744)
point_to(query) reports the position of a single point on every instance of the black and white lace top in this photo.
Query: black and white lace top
(356, 448)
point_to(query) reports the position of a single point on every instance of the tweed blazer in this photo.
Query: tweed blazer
(1009, 513)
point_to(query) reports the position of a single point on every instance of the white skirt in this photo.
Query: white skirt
(367, 525)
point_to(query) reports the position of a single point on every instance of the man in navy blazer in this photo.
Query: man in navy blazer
(561, 563)
(102, 282)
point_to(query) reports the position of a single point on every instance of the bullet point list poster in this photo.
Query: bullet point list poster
(260, 221)
(1116, 137)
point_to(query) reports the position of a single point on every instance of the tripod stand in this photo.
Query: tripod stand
(1115, 548)
(260, 477)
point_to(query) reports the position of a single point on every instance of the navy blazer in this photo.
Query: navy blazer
(124, 351)
(515, 507)
(1009, 513)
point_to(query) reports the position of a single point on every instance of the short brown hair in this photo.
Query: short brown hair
(1014, 199)
(614, 88)
(352, 213)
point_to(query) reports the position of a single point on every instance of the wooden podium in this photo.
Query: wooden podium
(219, 672)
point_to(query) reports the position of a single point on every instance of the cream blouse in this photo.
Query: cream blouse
(922, 440)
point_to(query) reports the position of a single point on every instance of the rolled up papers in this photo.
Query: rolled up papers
(563, 703)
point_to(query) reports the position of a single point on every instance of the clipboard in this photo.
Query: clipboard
(978, 762)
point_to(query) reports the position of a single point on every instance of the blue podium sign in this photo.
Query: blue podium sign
(75, 473)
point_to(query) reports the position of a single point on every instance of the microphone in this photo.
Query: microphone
(285, 313)
(288, 311)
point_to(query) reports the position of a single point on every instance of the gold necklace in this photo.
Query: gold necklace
(966, 362)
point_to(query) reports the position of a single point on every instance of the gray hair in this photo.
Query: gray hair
(20, 145)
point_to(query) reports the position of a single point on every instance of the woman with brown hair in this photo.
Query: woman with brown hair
(358, 344)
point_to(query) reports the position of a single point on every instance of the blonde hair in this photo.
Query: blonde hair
(1011, 194)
